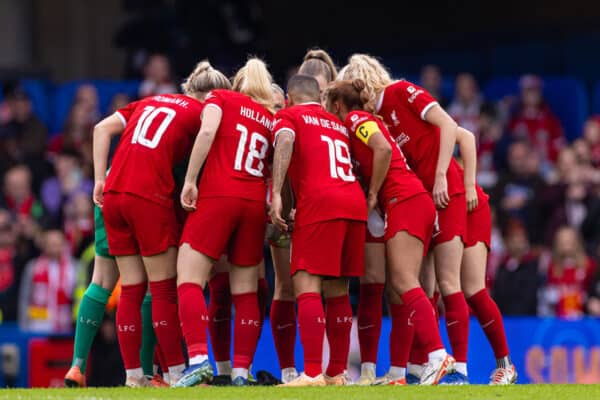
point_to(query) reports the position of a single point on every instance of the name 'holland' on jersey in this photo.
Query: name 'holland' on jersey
(266, 121)
(325, 123)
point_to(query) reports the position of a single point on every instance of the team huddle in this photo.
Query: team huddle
(350, 174)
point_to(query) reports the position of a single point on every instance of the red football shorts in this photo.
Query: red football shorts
(479, 223)
(332, 248)
(415, 215)
(135, 225)
(452, 220)
(227, 225)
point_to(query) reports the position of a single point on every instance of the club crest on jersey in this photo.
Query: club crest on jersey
(402, 139)
(411, 89)
(394, 118)
(354, 118)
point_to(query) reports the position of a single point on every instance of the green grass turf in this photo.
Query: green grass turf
(517, 392)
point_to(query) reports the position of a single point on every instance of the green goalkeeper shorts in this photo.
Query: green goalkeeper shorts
(100, 239)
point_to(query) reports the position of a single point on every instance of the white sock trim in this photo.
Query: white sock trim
(223, 367)
(198, 359)
(461, 367)
(134, 373)
(235, 372)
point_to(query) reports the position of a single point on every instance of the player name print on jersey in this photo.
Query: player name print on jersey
(262, 119)
(324, 123)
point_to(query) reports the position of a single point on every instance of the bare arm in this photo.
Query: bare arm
(211, 119)
(468, 153)
(382, 156)
(284, 146)
(103, 133)
(438, 117)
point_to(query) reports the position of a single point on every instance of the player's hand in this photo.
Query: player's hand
(98, 195)
(189, 196)
(276, 211)
(440, 191)
(472, 199)
(371, 201)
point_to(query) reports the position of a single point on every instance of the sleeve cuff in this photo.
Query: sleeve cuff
(285, 130)
(427, 108)
(122, 118)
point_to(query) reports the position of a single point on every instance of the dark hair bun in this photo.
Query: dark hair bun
(359, 85)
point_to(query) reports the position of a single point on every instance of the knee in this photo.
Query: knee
(373, 275)
(448, 284)
(403, 285)
(470, 289)
(284, 290)
(335, 288)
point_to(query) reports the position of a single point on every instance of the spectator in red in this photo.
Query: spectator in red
(535, 121)
(591, 134)
(157, 77)
(79, 222)
(466, 106)
(77, 132)
(570, 274)
(517, 279)
(431, 80)
(18, 197)
(46, 293)
(11, 268)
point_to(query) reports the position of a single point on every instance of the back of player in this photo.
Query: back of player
(324, 184)
(229, 216)
(312, 147)
(159, 132)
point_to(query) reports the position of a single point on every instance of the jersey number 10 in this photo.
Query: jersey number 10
(141, 129)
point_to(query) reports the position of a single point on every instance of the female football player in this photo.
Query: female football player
(410, 216)
(427, 136)
(227, 216)
(136, 200)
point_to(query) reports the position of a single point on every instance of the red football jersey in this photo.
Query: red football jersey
(159, 134)
(320, 170)
(403, 106)
(236, 165)
(400, 182)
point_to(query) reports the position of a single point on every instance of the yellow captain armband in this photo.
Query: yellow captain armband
(366, 130)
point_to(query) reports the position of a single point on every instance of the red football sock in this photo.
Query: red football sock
(263, 299)
(283, 327)
(369, 317)
(401, 336)
(490, 319)
(159, 359)
(166, 321)
(129, 323)
(247, 329)
(219, 314)
(338, 317)
(434, 303)
(457, 324)
(194, 318)
(422, 317)
(311, 323)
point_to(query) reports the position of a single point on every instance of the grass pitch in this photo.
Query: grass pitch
(516, 392)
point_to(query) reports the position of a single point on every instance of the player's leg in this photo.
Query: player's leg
(245, 254)
(204, 239)
(193, 270)
(244, 287)
(338, 310)
(263, 292)
(219, 314)
(311, 323)
(369, 313)
(161, 270)
(134, 285)
(487, 312)
(283, 314)
(90, 315)
(448, 249)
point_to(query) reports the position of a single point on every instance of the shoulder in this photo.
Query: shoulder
(356, 118)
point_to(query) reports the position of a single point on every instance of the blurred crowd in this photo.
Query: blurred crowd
(544, 190)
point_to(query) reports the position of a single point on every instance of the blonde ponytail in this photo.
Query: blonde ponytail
(203, 79)
(372, 72)
(318, 62)
(254, 80)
